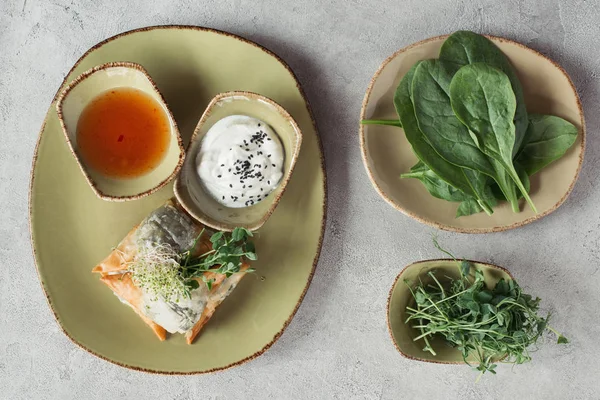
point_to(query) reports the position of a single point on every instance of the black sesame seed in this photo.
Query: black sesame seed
(249, 186)
(229, 169)
(268, 182)
(218, 176)
(242, 194)
(230, 185)
(269, 155)
(273, 165)
(261, 189)
(223, 197)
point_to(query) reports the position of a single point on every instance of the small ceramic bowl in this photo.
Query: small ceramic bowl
(87, 86)
(190, 191)
(400, 297)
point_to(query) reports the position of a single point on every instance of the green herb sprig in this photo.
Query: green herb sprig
(228, 251)
(492, 325)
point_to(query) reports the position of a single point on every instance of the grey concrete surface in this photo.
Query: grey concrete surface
(337, 346)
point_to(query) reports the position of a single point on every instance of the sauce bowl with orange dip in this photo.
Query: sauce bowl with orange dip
(120, 131)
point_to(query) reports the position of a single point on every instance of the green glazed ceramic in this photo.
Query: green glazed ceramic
(403, 334)
(386, 153)
(81, 92)
(188, 188)
(72, 229)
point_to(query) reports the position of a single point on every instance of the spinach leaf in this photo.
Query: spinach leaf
(440, 189)
(549, 138)
(507, 186)
(467, 207)
(465, 47)
(436, 186)
(388, 122)
(524, 178)
(481, 185)
(483, 100)
(455, 176)
(447, 135)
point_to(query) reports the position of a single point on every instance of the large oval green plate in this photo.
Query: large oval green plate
(72, 229)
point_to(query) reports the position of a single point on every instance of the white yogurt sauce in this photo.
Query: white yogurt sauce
(240, 161)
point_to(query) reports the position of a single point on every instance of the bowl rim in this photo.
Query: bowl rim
(179, 186)
(391, 292)
(442, 226)
(175, 130)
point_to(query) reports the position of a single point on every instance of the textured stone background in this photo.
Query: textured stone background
(337, 346)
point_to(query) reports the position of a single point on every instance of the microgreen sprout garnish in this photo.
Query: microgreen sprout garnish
(157, 271)
(488, 325)
(163, 272)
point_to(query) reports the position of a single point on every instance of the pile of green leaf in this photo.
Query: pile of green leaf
(465, 117)
(489, 324)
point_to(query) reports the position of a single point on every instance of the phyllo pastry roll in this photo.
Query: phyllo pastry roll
(173, 273)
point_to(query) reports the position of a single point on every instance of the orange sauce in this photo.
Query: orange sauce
(123, 133)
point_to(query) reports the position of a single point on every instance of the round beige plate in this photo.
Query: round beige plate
(72, 229)
(386, 152)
